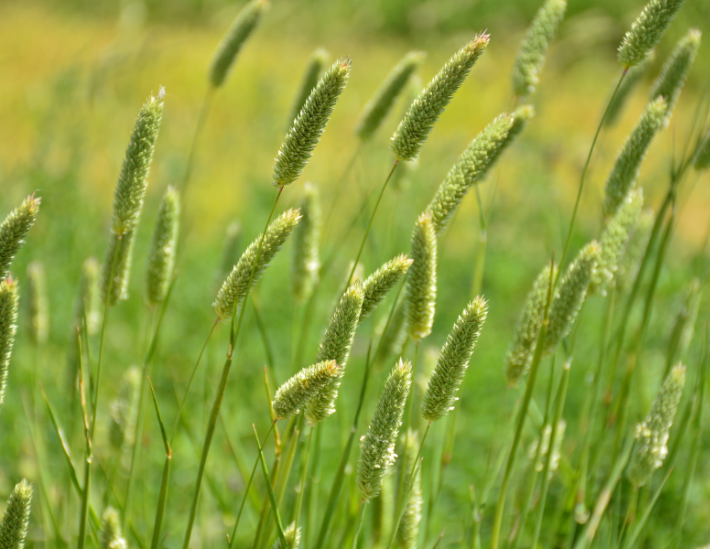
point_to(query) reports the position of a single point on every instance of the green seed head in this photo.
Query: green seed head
(633, 77)
(87, 303)
(119, 257)
(531, 56)
(318, 60)
(421, 281)
(163, 249)
(379, 283)
(234, 289)
(13, 230)
(450, 369)
(293, 538)
(675, 71)
(539, 465)
(702, 155)
(306, 130)
(382, 101)
(408, 532)
(570, 295)
(377, 446)
(124, 410)
(133, 179)
(335, 345)
(238, 33)
(630, 260)
(306, 240)
(626, 168)
(9, 300)
(110, 536)
(521, 350)
(39, 304)
(613, 240)
(414, 128)
(683, 328)
(652, 434)
(13, 529)
(295, 394)
(647, 30)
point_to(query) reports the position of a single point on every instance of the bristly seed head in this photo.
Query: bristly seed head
(13, 530)
(306, 262)
(295, 394)
(421, 280)
(110, 536)
(124, 410)
(379, 283)
(163, 249)
(9, 300)
(407, 536)
(13, 230)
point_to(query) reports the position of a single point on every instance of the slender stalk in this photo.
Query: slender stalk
(303, 487)
(270, 490)
(341, 182)
(83, 517)
(204, 111)
(360, 520)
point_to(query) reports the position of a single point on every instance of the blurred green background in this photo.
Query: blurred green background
(73, 75)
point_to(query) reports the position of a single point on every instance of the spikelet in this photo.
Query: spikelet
(292, 535)
(630, 261)
(647, 31)
(539, 465)
(570, 295)
(626, 168)
(473, 165)
(393, 335)
(306, 241)
(423, 113)
(110, 536)
(379, 106)
(88, 299)
(120, 255)
(451, 366)
(230, 251)
(651, 447)
(9, 299)
(379, 283)
(133, 179)
(377, 446)
(520, 353)
(531, 56)
(234, 289)
(335, 345)
(306, 130)
(13, 230)
(13, 529)
(633, 77)
(421, 282)
(318, 60)
(408, 532)
(614, 239)
(702, 154)
(38, 299)
(293, 395)
(124, 410)
(238, 33)
(163, 249)
(675, 71)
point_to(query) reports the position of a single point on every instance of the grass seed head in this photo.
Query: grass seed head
(420, 298)
(306, 243)
(119, 258)
(14, 229)
(292, 535)
(294, 395)
(379, 283)
(423, 113)
(87, 303)
(9, 301)
(408, 533)
(163, 249)
(38, 301)
(647, 31)
(13, 530)
(124, 410)
(630, 260)
(110, 536)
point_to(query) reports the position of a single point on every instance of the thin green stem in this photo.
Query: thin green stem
(360, 520)
(302, 487)
(204, 111)
(270, 490)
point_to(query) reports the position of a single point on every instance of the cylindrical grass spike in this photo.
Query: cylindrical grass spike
(570, 295)
(675, 71)
(377, 446)
(9, 300)
(683, 328)
(306, 242)
(13, 230)
(452, 364)
(633, 77)
(539, 465)
(163, 249)
(408, 533)
(110, 536)
(293, 395)
(233, 40)
(335, 345)
(630, 260)
(13, 529)
(292, 535)
(421, 280)
(133, 179)
(520, 353)
(531, 56)
(651, 447)
(234, 289)
(393, 335)
(702, 155)
(626, 168)
(39, 302)
(473, 165)
(317, 62)
(423, 113)
(124, 410)
(379, 283)
(613, 240)
(87, 303)
(305, 132)
(379, 106)
(647, 31)
(119, 258)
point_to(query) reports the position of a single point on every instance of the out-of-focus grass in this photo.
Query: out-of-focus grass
(72, 86)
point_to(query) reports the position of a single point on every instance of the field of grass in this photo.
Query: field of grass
(72, 85)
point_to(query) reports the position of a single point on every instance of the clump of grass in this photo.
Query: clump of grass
(9, 300)
(296, 393)
(13, 530)
(421, 282)
(14, 229)
(414, 128)
(378, 284)
(306, 258)
(163, 249)
(39, 302)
